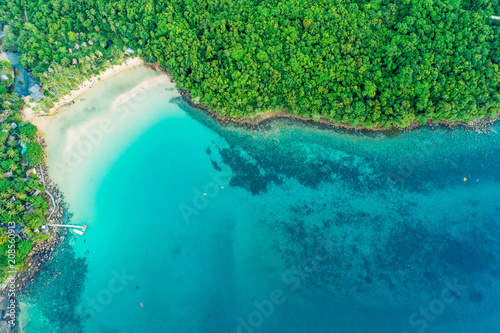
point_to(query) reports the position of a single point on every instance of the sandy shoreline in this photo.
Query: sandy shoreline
(44, 251)
(116, 115)
(86, 85)
(31, 116)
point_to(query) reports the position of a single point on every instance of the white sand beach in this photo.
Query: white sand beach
(131, 62)
(29, 115)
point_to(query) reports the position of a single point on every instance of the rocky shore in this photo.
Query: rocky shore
(42, 251)
(477, 125)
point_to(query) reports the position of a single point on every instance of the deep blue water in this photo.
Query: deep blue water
(197, 227)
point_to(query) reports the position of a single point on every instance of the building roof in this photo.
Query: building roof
(35, 93)
(74, 61)
(13, 125)
(37, 96)
(30, 171)
(129, 51)
(35, 88)
(4, 77)
(8, 174)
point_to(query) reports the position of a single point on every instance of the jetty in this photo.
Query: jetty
(75, 227)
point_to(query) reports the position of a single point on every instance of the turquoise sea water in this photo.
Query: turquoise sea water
(194, 227)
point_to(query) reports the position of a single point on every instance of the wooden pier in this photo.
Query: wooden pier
(74, 227)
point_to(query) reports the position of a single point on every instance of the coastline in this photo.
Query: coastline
(87, 84)
(43, 251)
(40, 254)
(31, 116)
(255, 122)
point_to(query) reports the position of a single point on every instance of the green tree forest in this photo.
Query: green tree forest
(21, 194)
(372, 63)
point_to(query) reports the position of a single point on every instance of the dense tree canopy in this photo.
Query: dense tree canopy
(21, 197)
(373, 63)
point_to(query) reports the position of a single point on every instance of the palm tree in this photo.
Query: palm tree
(11, 153)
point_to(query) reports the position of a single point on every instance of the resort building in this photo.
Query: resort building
(35, 93)
(13, 125)
(30, 171)
(129, 51)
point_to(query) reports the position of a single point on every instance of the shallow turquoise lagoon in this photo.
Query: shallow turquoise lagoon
(197, 227)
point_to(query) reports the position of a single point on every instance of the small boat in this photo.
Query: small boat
(78, 231)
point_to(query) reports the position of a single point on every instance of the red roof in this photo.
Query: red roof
(30, 171)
